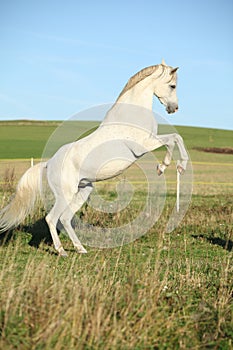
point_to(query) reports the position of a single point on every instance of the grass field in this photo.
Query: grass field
(163, 291)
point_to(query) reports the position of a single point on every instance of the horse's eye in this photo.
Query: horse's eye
(173, 86)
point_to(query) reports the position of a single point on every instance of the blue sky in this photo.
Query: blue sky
(60, 57)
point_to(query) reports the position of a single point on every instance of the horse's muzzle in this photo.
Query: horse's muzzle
(172, 108)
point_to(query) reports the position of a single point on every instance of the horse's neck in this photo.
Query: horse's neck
(131, 115)
(140, 95)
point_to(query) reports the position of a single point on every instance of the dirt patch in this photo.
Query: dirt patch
(226, 150)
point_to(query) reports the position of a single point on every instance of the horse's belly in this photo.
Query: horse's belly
(111, 169)
(101, 161)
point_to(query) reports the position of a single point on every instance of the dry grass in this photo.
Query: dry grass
(164, 291)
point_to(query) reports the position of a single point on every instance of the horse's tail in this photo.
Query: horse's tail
(27, 191)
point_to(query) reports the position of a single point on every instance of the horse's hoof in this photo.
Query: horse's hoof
(180, 169)
(159, 170)
(62, 252)
(81, 250)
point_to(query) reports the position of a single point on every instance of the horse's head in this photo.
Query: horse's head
(165, 88)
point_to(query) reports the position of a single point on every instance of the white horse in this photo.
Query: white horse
(128, 131)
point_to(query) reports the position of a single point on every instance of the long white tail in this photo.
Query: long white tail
(23, 202)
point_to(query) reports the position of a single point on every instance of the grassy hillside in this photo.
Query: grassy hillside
(26, 139)
(206, 137)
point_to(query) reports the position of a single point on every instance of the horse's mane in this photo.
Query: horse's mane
(136, 78)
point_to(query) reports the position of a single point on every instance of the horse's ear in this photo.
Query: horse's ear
(174, 70)
(163, 62)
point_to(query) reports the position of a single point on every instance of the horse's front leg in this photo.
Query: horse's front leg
(156, 142)
(169, 141)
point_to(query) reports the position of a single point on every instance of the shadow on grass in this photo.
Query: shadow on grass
(225, 244)
(39, 231)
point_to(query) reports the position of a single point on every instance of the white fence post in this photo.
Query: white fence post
(178, 192)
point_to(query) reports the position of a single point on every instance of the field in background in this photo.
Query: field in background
(26, 139)
(163, 291)
(21, 141)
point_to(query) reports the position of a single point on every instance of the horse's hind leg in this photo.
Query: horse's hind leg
(52, 220)
(69, 212)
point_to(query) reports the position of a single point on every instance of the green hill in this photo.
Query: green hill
(26, 139)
